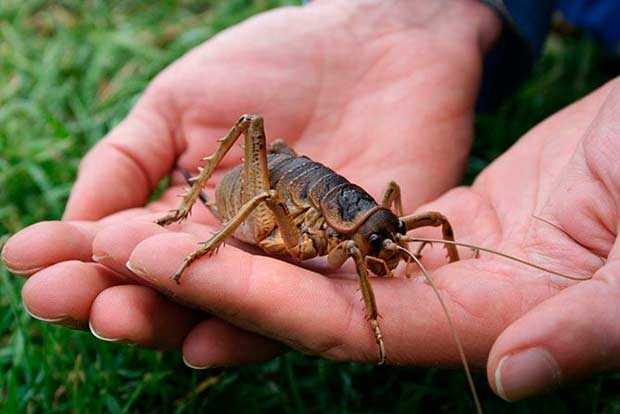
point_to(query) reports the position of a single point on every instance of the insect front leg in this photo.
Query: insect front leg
(435, 219)
(198, 182)
(391, 194)
(367, 294)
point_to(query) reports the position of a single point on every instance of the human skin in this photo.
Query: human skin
(333, 78)
(552, 199)
(343, 76)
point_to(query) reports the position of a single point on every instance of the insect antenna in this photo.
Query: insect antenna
(455, 336)
(504, 255)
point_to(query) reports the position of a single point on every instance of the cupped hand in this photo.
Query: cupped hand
(377, 91)
(552, 199)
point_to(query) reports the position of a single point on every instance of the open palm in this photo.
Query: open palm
(510, 208)
(334, 84)
(518, 206)
(347, 95)
(551, 199)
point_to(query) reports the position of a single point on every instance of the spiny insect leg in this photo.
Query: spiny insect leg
(218, 238)
(391, 194)
(368, 295)
(198, 182)
(256, 180)
(435, 219)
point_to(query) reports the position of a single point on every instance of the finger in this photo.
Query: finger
(313, 313)
(255, 292)
(124, 168)
(63, 293)
(139, 315)
(46, 243)
(213, 342)
(216, 343)
(113, 244)
(571, 335)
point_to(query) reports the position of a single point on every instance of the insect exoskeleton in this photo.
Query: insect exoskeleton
(290, 204)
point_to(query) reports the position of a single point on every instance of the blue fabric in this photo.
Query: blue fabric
(599, 17)
(533, 18)
(510, 61)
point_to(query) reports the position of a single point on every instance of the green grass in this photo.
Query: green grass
(69, 71)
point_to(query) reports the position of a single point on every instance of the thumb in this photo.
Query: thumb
(571, 335)
(124, 168)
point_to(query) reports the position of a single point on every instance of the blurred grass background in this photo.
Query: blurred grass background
(69, 71)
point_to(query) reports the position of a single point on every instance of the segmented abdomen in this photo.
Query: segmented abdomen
(302, 182)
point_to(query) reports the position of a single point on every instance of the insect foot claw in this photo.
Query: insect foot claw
(161, 221)
(172, 217)
(379, 337)
(418, 253)
(177, 275)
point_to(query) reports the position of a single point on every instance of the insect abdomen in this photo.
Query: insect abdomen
(303, 183)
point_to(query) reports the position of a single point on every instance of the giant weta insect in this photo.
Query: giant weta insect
(289, 204)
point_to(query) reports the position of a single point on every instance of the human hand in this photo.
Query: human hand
(320, 315)
(562, 216)
(332, 78)
(552, 199)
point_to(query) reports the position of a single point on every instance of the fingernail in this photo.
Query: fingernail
(17, 272)
(2, 258)
(528, 372)
(138, 271)
(24, 272)
(194, 366)
(48, 320)
(99, 336)
(99, 257)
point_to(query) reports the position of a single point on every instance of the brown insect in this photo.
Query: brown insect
(289, 204)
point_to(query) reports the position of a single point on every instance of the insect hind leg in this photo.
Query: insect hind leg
(274, 211)
(229, 228)
(198, 182)
(202, 196)
(262, 208)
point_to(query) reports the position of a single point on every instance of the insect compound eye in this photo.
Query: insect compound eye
(375, 241)
(402, 228)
